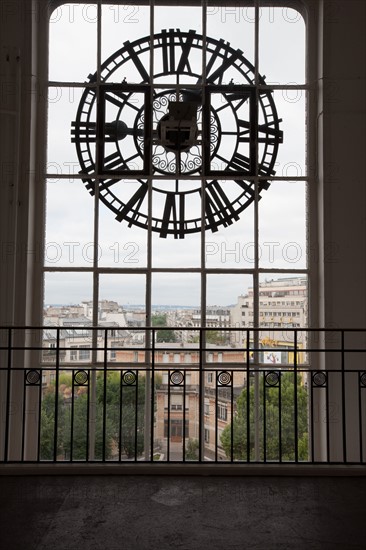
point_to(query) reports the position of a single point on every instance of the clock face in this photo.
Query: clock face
(191, 141)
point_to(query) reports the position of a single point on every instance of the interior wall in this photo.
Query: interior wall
(344, 163)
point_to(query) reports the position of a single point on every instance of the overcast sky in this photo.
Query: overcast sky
(69, 233)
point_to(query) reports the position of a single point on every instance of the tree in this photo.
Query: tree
(118, 413)
(192, 449)
(159, 320)
(212, 337)
(236, 435)
(164, 335)
(215, 337)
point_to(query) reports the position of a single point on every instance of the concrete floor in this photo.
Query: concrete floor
(185, 513)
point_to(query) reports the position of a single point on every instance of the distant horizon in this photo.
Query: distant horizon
(139, 306)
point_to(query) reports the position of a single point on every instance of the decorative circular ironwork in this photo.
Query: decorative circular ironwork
(166, 161)
(81, 377)
(224, 378)
(319, 379)
(272, 378)
(33, 377)
(177, 378)
(221, 131)
(363, 379)
(129, 378)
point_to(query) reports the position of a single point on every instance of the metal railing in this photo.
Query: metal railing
(261, 396)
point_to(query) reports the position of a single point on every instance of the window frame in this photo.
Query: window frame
(306, 8)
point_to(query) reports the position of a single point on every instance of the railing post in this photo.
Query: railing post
(149, 396)
(92, 412)
(25, 396)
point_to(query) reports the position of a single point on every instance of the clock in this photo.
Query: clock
(192, 140)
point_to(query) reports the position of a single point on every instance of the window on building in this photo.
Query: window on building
(222, 411)
(176, 428)
(84, 353)
(113, 351)
(176, 402)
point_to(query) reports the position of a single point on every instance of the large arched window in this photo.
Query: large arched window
(176, 195)
(144, 221)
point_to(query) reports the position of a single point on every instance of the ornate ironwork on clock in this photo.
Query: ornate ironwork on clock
(192, 139)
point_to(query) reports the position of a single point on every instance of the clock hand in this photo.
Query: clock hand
(113, 131)
(118, 130)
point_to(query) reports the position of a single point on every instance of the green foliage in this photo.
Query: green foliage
(117, 411)
(270, 422)
(164, 335)
(159, 320)
(66, 379)
(192, 449)
(214, 337)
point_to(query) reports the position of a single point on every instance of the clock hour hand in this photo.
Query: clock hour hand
(117, 130)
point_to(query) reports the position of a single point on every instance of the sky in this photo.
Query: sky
(69, 224)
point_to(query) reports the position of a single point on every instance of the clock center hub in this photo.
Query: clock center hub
(177, 131)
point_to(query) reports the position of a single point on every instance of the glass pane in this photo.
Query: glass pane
(121, 23)
(73, 42)
(234, 24)
(119, 244)
(282, 30)
(282, 226)
(283, 306)
(65, 129)
(178, 48)
(232, 245)
(176, 223)
(68, 297)
(226, 308)
(122, 300)
(123, 130)
(291, 108)
(69, 224)
(174, 296)
(176, 209)
(172, 253)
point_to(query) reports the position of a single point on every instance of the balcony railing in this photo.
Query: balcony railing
(293, 396)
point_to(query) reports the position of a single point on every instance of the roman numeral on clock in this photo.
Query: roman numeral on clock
(137, 61)
(112, 162)
(83, 132)
(218, 207)
(130, 211)
(173, 215)
(227, 61)
(121, 100)
(168, 49)
(266, 133)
